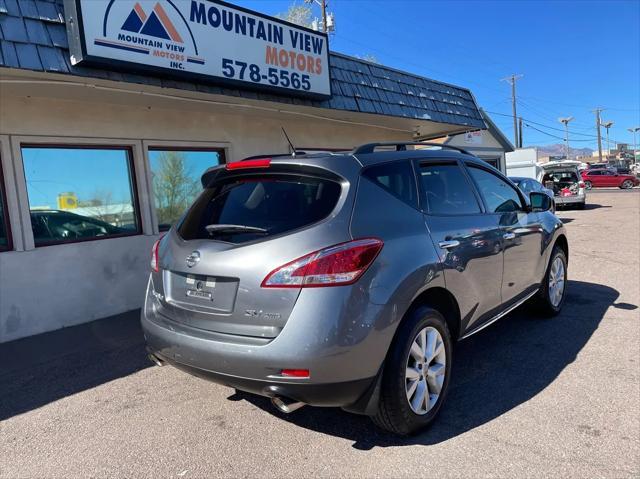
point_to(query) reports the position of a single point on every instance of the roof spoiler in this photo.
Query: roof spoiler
(402, 146)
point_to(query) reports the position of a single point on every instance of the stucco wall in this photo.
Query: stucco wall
(46, 288)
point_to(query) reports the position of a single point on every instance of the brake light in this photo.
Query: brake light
(239, 165)
(155, 265)
(581, 184)
(337, 265)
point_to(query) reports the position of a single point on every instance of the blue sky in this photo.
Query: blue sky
(575, 55)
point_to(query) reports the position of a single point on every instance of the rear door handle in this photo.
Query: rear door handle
(509, 236)
(449, 244)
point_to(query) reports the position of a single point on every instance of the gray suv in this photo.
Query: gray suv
(344, 280)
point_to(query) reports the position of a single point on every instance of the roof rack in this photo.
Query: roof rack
(277, 155)
(402, 146)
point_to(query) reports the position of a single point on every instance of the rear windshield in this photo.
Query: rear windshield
(241, 209)
(561, 175)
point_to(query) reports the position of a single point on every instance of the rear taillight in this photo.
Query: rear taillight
(333, 266)
(155, 265)
(581, 184)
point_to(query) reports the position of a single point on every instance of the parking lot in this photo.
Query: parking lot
(530, 397)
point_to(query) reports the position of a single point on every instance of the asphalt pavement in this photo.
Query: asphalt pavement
(530, 397)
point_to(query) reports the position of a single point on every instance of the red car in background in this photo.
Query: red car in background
(605, 177)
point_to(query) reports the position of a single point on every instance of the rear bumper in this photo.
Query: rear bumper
(342, 394)
(254, 365)
(569, 200)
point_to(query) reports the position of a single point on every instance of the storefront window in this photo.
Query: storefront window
(4, 221)
(176, 179)
(80, 193)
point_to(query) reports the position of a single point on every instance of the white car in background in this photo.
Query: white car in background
(564, 179)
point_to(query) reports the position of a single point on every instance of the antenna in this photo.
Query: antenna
(293, 148)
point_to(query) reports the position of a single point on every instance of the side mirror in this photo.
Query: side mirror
(539, 202)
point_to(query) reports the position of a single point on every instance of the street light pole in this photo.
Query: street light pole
(635, 145)
(607, 125)
(566, 121)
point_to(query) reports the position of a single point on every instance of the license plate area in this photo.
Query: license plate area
(201, 287)
(202, 292)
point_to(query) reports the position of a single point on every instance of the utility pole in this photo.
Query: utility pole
(513, 79)
(566, 121)
(597, 112)
(519, 132)
(324, 15)
(323, 6)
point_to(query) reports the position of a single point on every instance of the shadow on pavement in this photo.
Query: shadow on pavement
(41, 369)
(494, 371)
(595, 206)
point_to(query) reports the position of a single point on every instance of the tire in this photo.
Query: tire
(395, 414)
(626, 184)
(588, 185)
(548, 303)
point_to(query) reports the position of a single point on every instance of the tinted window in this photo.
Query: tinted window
(273, 203)
(176, 180)
(446, 190)
(396, 178)
(4, 230)
(594, 173)
(79, 193)
(499, 196)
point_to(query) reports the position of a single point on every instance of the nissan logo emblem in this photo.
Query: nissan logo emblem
(193, 259)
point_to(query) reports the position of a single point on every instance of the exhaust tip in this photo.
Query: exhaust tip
(286, 405)
(155, 359)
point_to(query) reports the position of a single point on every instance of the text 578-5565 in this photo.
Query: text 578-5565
(274, 76)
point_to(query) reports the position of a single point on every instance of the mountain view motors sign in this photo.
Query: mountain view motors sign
(207, 39)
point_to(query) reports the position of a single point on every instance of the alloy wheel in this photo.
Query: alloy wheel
(425, 371)
(556, 282)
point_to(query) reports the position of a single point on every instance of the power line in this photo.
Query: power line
(542, 124)
(549, 134)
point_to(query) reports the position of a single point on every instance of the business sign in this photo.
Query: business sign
(473, 137)
(202, 39)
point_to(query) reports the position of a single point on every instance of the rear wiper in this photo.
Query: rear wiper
(211, 229)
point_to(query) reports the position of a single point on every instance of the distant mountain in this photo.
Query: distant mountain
(558, 150)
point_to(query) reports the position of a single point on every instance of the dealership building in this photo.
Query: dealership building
(110, 111)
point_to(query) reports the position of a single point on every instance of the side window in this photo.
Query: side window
(594, 173)
(4, 221)
(499, 196)
(526, 186)
(397, 178)
(80, 193)
(176, 179)
(446, 190)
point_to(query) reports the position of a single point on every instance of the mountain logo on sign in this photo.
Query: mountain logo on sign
(157, 24)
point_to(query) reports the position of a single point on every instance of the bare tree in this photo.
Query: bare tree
(298, 14)
(174, 187)
(368, 58)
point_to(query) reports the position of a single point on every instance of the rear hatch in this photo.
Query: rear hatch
(245, 224)
(564, 181)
